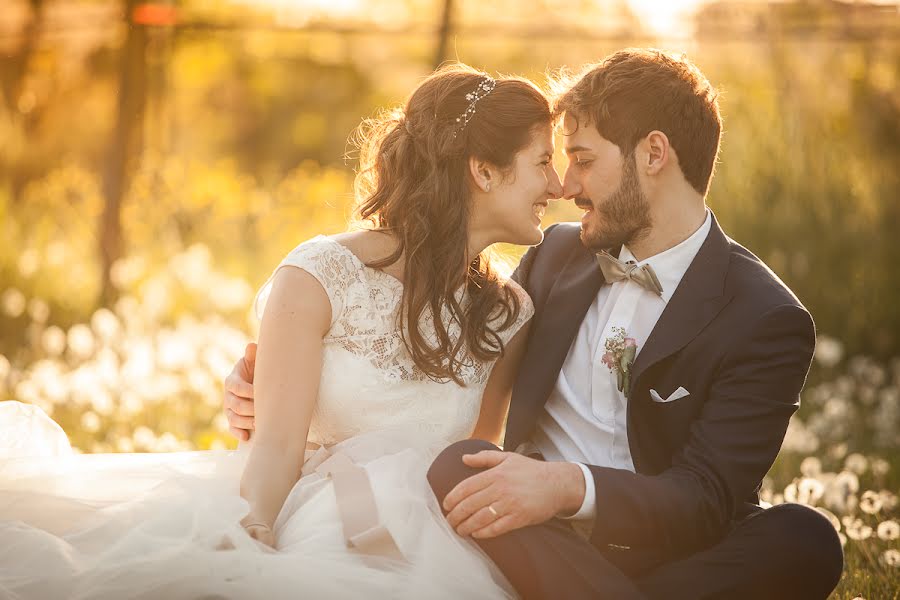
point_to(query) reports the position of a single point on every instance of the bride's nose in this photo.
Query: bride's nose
(554, 187)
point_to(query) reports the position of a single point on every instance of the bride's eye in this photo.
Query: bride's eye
(584, 162)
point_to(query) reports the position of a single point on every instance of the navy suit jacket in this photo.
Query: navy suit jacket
(733, 335)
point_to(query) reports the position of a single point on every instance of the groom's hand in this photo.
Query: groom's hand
(238, 400)
(513, 492)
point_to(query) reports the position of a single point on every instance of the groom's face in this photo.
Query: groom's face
(604, 184)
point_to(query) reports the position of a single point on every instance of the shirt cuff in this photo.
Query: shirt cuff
(589, 506)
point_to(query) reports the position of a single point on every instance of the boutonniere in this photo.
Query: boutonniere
(620, 353)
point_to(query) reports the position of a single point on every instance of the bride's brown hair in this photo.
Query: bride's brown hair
(414, 182)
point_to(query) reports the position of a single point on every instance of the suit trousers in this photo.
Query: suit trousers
(788, 551)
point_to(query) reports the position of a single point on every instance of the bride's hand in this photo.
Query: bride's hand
(260, 532)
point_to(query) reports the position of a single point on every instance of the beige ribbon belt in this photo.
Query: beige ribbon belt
(363, 530)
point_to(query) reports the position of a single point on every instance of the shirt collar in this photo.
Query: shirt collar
(671, 265)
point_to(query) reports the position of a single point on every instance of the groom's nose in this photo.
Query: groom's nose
(571, 187)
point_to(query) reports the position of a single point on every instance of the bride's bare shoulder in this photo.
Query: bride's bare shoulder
(369, 246)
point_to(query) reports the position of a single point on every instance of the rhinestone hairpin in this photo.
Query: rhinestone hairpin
(483, 89)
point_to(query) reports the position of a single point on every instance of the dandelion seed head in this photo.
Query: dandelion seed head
(810, 491)
(857, 530)
(888, 530)
(811, 466)
(890, 557)
(53, 341)
(870, 502)
(38, 310)
(81, 341)
(838, 451)
(105, 324)
(829, 351)
(144, 437)
(29, 262)
(880, 466)
(790, 492)
(888, 499)
(12, 303)
(90, 422)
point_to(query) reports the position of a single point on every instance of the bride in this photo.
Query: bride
(377, 349)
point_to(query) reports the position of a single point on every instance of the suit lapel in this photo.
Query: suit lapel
(698, 299)
(564, 309)
(567, 303)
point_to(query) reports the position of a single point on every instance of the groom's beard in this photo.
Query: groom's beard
(621, 219)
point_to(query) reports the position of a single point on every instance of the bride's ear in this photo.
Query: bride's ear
(482, 172)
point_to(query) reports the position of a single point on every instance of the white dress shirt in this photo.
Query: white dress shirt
(584, 419)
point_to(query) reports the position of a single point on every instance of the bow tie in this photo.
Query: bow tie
(615, 270)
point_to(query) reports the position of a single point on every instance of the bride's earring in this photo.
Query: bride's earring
(487, 187)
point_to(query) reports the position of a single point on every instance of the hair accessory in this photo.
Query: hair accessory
(483, 89)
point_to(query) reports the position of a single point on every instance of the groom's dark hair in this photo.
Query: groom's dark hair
(635, 91)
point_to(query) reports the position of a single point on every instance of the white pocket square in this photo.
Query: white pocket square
(676, 395)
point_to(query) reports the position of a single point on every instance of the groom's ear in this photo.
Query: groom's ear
(654, 152)
(482, 173)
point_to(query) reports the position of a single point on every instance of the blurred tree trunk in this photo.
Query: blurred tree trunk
(16, 63)
(440, 54)
(124, 150)
(13, 69)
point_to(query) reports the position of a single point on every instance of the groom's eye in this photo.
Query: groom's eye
(583, 162)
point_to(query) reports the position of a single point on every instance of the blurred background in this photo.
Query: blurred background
(157, 160)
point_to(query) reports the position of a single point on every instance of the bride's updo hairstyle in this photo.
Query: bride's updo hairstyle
(414, 182)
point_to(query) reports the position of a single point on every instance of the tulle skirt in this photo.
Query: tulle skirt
(167, 525)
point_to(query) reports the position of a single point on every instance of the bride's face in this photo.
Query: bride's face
(514, 209)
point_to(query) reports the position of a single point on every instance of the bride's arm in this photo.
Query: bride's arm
(286, 385)
(497, 394)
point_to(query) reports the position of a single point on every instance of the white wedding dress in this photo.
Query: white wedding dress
(167, 525)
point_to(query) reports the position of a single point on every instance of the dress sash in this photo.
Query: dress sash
(363, 529)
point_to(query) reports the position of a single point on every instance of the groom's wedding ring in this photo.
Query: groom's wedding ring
(493, 511)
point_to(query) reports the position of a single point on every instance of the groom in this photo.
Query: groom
(666, 373)
(663, 365)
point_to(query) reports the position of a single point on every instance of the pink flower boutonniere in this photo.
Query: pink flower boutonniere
(619, 356)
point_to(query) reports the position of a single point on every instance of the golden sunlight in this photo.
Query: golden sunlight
(669, 19)
(300, 12)
(666, 18)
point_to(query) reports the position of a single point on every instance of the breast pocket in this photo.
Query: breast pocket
(678, 394)
(673, 409)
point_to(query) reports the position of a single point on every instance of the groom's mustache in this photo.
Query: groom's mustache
(583, 203)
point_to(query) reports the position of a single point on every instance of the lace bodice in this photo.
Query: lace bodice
(369, 380)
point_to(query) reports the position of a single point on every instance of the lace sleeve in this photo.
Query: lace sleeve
(320, 257)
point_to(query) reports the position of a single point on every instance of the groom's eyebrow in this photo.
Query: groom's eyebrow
(574, 149)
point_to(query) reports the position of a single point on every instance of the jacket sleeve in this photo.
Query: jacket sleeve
(730, 447)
